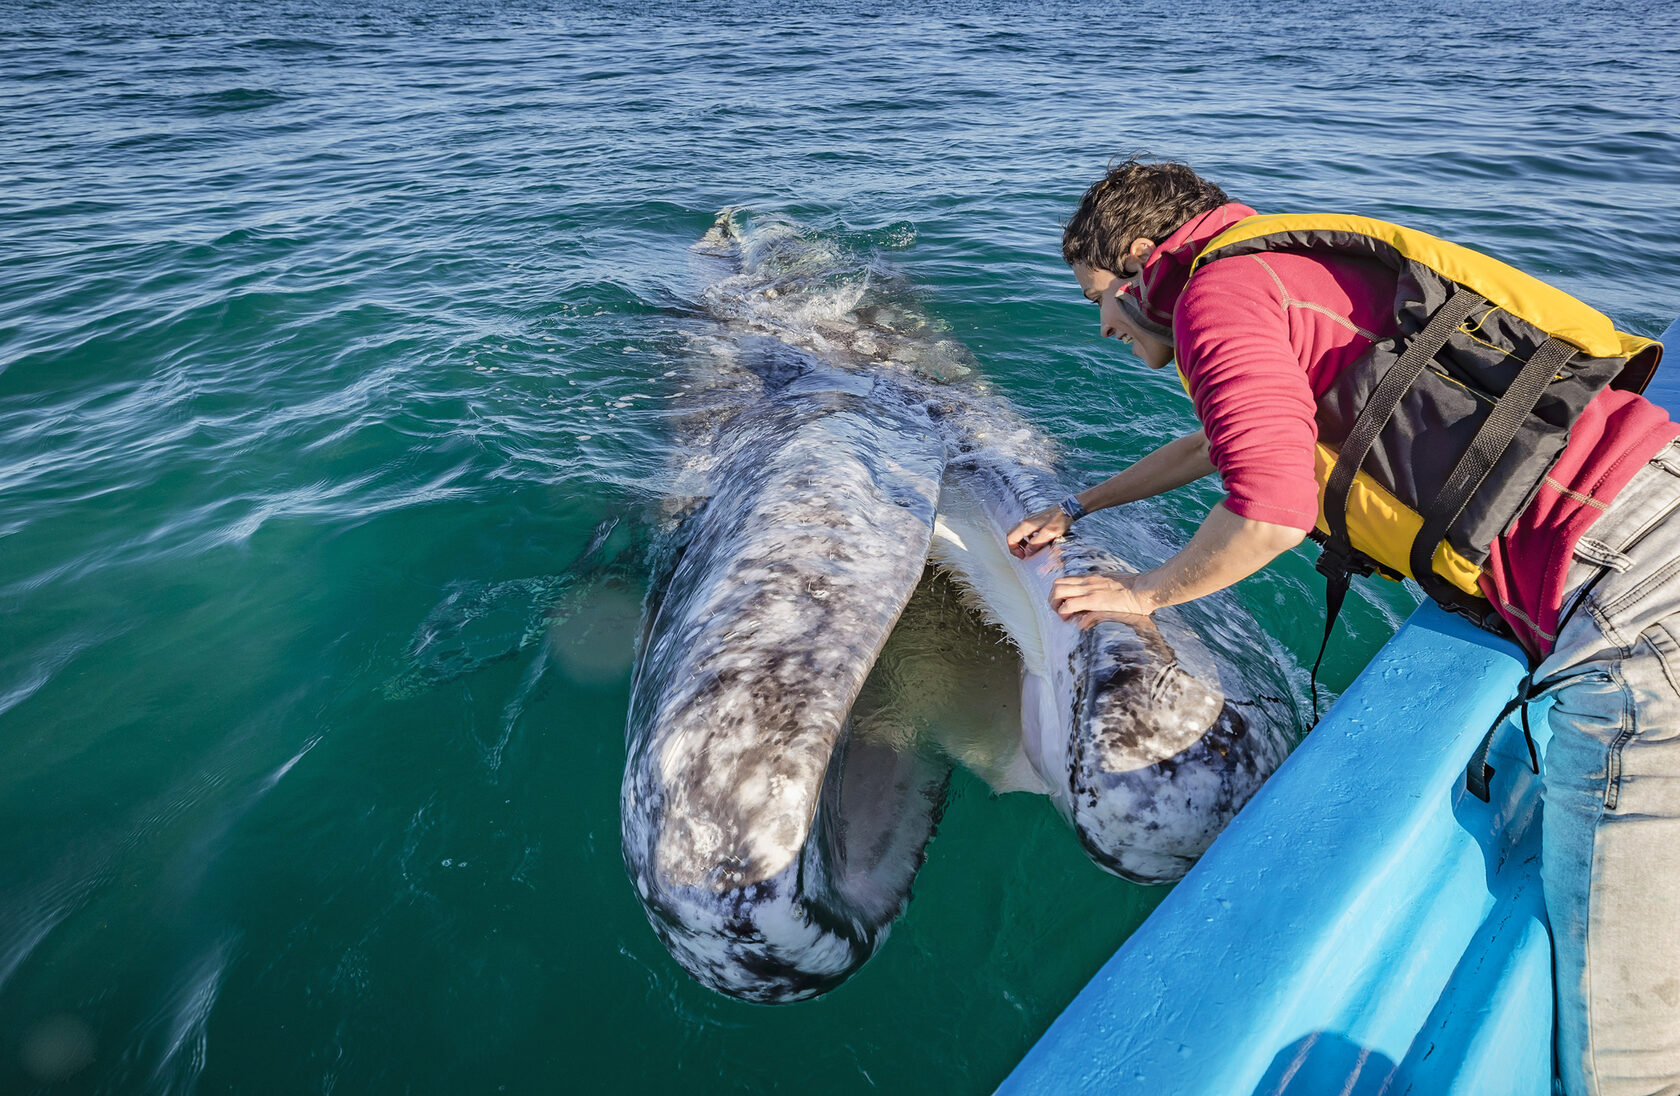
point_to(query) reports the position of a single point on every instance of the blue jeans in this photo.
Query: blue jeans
(1611, 823)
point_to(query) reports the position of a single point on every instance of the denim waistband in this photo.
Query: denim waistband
(1632, 549)
(1648, 499)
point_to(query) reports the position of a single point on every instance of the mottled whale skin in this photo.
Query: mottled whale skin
(1126, 722)
(771, 846)
(771, 851)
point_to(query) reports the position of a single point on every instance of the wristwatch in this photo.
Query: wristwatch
(1070, 507)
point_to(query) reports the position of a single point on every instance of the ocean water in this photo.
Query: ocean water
(333, 340)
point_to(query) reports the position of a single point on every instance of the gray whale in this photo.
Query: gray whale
(771, 834)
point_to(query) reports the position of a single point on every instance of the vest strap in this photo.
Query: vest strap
(1476, 463)
(1478, 774)
(1379, 408)
(1338, 560)
(1338, 571)
(1335, 592)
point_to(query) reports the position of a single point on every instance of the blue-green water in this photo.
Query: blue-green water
(330, 338)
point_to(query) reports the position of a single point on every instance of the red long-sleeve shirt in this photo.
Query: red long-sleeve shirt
(1260, 337)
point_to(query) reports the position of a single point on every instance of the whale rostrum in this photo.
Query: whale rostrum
(780, 787)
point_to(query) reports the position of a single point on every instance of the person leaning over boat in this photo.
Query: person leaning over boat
(1261, 340)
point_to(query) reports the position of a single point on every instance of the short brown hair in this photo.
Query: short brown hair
(1134, 199)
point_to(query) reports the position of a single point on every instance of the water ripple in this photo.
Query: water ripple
(328, 337)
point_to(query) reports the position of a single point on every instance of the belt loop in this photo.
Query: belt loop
(1668, 458)
(1600, 554)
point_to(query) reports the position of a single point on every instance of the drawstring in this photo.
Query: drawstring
(1338, 566)
(1336, 588)
(1478, 773)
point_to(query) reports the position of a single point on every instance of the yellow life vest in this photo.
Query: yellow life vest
(1488, 372)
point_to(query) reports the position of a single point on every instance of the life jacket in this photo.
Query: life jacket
(1433, 442)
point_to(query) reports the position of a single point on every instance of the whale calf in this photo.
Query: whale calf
(773, 821)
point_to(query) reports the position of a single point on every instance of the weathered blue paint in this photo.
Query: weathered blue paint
(1365, 925)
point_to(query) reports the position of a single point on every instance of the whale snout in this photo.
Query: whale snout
(1161, 761)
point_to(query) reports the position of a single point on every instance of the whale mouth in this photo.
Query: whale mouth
(948, 683)
(844, 623)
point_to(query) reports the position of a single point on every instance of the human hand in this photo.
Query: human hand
(1088, 599)
(1035, 531)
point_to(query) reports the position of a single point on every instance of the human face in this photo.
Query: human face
(1102, 288)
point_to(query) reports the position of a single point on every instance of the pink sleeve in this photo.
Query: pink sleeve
(1250, 391)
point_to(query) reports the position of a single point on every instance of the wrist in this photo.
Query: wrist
(1073, 508)
(1150, 590)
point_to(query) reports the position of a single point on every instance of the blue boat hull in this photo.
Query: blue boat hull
(1365, 925)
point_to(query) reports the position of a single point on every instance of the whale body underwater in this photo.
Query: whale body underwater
(854, 477)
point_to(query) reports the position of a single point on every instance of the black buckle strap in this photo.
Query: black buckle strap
(1338, 569)
(1335, 592)
(1380, 408)
(1468, 474)
(1338, 561)
(1492, 438)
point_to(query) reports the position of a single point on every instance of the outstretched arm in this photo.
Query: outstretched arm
(1225, 550)
(1180, 461)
